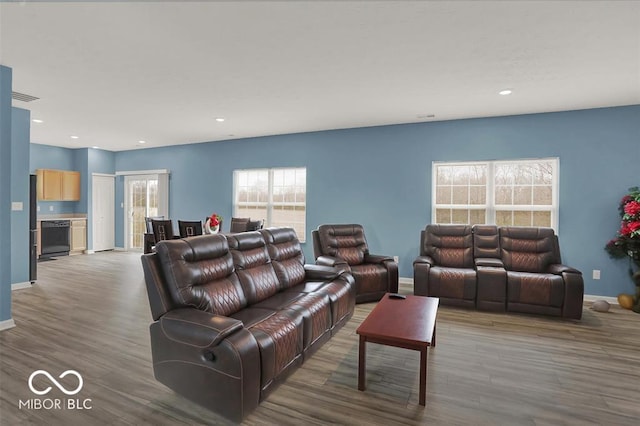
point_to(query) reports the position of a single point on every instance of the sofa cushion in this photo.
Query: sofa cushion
(286, 255)
(535, 289)
(199, 272)
(486, 242)
(452, 283)
(253, 266)
(315, 309)
(449, 245)
(370, 278)
(527, 249)
(340, 295)
(280, 338)
(344, 241)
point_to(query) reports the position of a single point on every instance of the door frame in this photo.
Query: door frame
(163, 208)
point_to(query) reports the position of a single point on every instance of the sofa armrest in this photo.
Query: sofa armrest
(331, 261)
(558, 269)
(198, 328)
(210, 359)
(421, 269)
(428, 260)
(489, 261)
(321, 272)
(376, 258)
(573, 293)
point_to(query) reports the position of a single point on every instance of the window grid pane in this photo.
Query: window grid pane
(276, 195)
(522, 193)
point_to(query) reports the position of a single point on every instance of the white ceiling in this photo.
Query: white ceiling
(116, 73)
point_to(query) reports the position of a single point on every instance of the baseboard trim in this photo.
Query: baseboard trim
(587, 297)
(119, 249)
(7, 324)
(20, 286)
(593, 298)
(405, 280)
(89, 251)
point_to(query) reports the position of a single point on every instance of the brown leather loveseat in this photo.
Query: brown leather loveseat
(235, 315)
(509, 268)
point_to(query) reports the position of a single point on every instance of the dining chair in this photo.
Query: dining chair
(189, 228)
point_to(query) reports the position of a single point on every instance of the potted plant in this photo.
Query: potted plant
(627, 243)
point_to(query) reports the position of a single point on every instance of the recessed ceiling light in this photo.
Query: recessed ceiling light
(505, 92)
(220, 119)
(95, 147)
(35, 120)
(75, 137)
(142, 142)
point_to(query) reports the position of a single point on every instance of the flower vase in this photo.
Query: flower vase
(208, 229)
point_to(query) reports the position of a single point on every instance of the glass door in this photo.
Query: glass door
(142, 198)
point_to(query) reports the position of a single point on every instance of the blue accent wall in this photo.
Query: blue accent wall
(20, 134)
(380, 177)
(5, 192)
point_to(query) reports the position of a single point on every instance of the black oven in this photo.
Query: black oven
(54, 240)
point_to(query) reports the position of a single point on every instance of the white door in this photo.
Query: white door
(145, 196)
(103, 215)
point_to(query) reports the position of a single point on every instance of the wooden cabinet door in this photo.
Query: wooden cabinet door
(70, 186)
(51, 185)
(78, 235)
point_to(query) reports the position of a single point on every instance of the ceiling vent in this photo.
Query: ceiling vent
(23, 97)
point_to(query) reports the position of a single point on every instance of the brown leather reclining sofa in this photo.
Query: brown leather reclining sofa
(235, 315)
(507, 268)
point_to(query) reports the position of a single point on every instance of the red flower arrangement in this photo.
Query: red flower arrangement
(627, 241)
(215, 220)
(211, 226)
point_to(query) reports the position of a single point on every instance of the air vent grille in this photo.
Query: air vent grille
(23, 97)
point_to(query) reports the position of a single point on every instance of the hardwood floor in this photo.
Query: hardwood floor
(90, 313)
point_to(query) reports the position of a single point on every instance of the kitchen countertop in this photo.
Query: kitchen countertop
(62, 216)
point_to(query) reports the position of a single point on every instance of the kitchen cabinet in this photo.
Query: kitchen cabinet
(78, 236)
(58, 185)
(71, 186)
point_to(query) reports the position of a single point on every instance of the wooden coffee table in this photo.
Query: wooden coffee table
(405, 323)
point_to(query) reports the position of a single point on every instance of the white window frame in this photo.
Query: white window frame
(270, 204)
(489, 206)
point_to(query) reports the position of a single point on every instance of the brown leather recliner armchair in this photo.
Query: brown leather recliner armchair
(345, 246)
(537, 281)
(445, 267)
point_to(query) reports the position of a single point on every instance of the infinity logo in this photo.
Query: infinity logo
(55, 382)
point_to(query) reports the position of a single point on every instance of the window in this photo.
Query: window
(518, 192)
(279, 196)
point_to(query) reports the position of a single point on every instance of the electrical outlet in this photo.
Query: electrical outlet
(596, 274)
(38, 208)
(50, 208)
(396, 259)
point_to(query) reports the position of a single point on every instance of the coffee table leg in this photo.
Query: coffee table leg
(423, 376)
(433, 338)
(361, 363)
